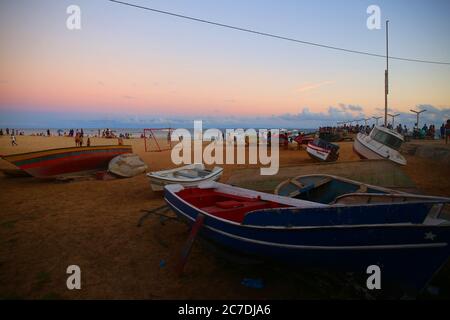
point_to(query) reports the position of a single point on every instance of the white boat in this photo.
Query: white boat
(189, 176)
(381, 143)
(127, 165)
(322, 150)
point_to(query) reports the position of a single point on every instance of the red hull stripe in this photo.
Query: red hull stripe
(43, 153)
(43, 159)
(70, 159)
(318, 148)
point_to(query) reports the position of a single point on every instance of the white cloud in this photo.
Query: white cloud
(313, 86)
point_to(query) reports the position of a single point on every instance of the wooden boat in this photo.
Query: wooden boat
(322, 150)
(66, 161)
(407, 240)
(381, 143)
(325, 188)
(190, 175)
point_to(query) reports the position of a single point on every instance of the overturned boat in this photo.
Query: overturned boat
(190, 175)
(322, 150)
(408, 241)
(66, 161)
(381, 143)
(127, 165)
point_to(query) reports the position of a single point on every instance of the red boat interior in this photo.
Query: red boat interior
(225, 206)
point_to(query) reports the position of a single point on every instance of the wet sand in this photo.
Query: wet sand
(46, 226)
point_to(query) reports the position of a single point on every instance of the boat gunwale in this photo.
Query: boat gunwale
(153, 176)
(173, 193)
(339, 179)
(316, 148)
(86, 148)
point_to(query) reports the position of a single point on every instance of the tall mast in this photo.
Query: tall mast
(386, 76)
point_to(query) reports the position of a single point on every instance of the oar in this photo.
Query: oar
(190, 241)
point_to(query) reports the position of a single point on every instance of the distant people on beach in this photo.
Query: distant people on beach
(107, 133)
(1, 132)
(125, 135)
(13, 140)
(7, 131)
(431, 131)
(78, 140)
(48, 132)
(447, 131)
(88, 143)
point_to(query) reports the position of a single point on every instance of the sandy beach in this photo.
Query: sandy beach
(46, 226)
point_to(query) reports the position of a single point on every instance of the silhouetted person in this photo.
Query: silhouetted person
(447, 131)
(77, 139)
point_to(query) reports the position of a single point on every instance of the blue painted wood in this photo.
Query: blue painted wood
(326, 193)
(348, 215)
(397, 249)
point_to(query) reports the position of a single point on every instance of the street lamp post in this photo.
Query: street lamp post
(393, 118)
(376, 119)
(386, 75)
(418, 114)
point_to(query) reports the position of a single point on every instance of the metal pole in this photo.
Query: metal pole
(393, 118)
(386, 75)
(418, 114)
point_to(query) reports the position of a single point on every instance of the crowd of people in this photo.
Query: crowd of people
(12, 133)
(426, 132)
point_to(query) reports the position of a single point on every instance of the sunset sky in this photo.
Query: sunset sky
(136, 67)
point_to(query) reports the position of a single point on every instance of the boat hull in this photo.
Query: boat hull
(66, 161)
(401, 251)
(322, 150)
(321, 154)
(158, 184)
(194, 175)
(365, 151)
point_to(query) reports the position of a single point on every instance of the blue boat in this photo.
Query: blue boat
(407, 240)
(329, 189)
